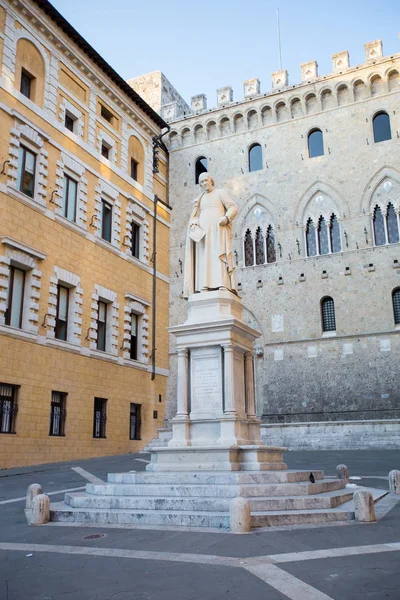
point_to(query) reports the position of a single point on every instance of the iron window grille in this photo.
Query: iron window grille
(135, 421)
(8, 407)
(328, 315)
(248, 249)
(260, 254)
(15, 303)
(26, 171)
(100, 418)
(58, 413)
(396, 306)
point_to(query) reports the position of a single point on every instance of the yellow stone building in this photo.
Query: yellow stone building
(83, 286)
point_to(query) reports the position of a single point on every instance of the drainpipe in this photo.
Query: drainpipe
(157, 143)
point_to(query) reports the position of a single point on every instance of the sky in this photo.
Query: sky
(202, 46)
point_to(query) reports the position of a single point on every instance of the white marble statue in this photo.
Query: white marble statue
(209, 262)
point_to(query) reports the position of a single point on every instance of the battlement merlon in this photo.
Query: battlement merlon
(164, 98)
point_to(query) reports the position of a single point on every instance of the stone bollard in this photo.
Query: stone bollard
(240, 515)
(33, 490)
(40, 513)
(343, 472)
(364, 507)
(394, 482)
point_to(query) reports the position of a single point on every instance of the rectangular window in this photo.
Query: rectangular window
(135, 421)
(134, 169)
(15, 302)
(106, 114)
(57, 413)
(100, 418)
(69, 122)
(135, 237)
(26, 83)
(105, 151)
(70, 193)
(102, 326)
(8, 407)
(61, 329)
(134, 337)
(106, 220)
(26, 171)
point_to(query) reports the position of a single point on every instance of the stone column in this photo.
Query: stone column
(182, 388)
(229, 388)
(250, 395)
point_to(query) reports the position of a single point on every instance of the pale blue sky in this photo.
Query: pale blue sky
(207, 44)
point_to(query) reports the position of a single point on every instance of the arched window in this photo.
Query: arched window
(260, 250)
(310, 239)
(396, 305)
(315, 143)
(379, 227)
(381, 127)
(328, 314)
(29, 71)
(336, 245)
(201, 167)
(136, 159)
(255, 157)
(271, 250)
(248, 249)
(392, 226)
(323, 242)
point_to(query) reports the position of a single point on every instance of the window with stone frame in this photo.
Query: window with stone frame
(107, 146)
(334, 232)
(328, 314)
(28, 163)
(136, 238)
(255, 158)
(324, 237)
(200, 168)
(63, 320)
(71, 117)
(8, 407)
(20, 283)
(271, 245)
(311, 242)
(106, 220)
(58, 414)
(379, 227)
(381, 127)
(260, 247)
(103, 331)
(71, 191)
(396, 305)
(315, 141)
(136, 328)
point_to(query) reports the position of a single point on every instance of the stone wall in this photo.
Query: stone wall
(303, 373)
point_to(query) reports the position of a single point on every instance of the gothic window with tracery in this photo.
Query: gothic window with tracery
(392, 225)
(323, 243)
(379, 227)
(260, 252)
(248, 249)
(271, 249)
(336, 245)
(311, 239)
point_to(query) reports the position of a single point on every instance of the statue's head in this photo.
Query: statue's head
(206, 182)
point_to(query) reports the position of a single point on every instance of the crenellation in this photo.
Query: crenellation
(199, 103)
(224, 96)
(280, 79)
(251, 88)
(373, 51)
(309, 71)
(340, 62)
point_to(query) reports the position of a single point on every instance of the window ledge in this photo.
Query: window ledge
(135, 261)
(18, 333)
(70, 224)
(136, 364)
(107, 245)
(38, 205)
(63, 345)
(107, 356)
(327, 334)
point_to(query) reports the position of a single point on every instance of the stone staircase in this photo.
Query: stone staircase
(164, 436)
(202, 499)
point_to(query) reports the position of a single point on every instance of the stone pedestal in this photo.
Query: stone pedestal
(215, 427)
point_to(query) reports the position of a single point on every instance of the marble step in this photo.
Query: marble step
(299, 517)
(187, 477)
(82, 500)
(215, 491)
(61, 512)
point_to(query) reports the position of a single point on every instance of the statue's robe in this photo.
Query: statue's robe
(209, 263)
